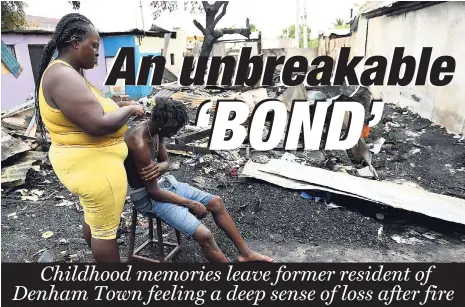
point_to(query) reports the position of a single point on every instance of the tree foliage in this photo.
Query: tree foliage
(339, 22)
(289, 32)
(253, 28)
(76, 4)
(194, 7)
(13, 15)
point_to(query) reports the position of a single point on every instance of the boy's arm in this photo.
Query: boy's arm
(141, 155)
(156, 169)
(163, 161)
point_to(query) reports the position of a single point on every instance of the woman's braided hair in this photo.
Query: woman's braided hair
(170, 113)
(71, 27)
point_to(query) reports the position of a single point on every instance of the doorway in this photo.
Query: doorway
(35, 54)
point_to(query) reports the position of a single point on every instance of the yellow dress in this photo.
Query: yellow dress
(90, 167)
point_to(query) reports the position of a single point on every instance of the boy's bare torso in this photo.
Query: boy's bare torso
(134, 178)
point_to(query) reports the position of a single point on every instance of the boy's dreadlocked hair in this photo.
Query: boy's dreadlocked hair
(169, 113)
(70, 28)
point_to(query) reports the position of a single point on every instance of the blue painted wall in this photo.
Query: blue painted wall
(111, 46)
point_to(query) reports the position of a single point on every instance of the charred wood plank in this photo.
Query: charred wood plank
(187, 148)
(192, 136)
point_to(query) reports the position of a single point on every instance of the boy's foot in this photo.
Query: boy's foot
(254, 257)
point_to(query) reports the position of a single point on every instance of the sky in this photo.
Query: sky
(110, 15)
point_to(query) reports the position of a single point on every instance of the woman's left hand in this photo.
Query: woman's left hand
(126, 103)
(150, 172)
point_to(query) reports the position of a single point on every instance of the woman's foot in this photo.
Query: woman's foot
(254, 257)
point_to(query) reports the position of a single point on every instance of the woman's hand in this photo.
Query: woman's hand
(150, 172)
(126, 103)
(138, 110)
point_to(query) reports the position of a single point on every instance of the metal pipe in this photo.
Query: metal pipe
(142, 15)
(305, 41)
(297, 22)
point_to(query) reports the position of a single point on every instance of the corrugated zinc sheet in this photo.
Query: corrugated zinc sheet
(164, 93)
(195, 100)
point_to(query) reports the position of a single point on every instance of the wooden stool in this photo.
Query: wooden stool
(133, 255)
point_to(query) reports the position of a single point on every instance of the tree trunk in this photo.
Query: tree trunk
(211, 35)
(207, 45)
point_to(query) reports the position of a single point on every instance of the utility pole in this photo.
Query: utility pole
(297, 22)
(305, 25)
(142, 15)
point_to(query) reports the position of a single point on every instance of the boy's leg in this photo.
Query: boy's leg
(208, 244)
(181, 219)
(224, 221)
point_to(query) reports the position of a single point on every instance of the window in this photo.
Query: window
(172, 58)
(12, 49)
(10, 60)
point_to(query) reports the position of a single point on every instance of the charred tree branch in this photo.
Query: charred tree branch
(200, 27)
(221, 15)
(243, 31)
(206, 6)
(211, 20)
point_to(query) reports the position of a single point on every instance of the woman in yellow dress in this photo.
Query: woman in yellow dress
(87, 129)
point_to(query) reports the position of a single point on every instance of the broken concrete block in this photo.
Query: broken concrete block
(365, 172)
(46, 257)
(15, 175)
(33, 156)
(377, 146)
(20, 120)
(12, 146)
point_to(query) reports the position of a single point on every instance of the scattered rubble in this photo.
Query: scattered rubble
(409, 241)
(400, 150)
(46, 257)
(47, 234)
(12, 146)
(365, 172)
(376, 146)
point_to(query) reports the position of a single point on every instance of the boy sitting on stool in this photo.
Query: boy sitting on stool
(176, 203)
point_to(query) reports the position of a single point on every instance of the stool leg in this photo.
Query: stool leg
(132, 236)
(160, 241)
(150, 228)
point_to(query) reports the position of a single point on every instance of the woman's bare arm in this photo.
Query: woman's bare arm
(75, 100)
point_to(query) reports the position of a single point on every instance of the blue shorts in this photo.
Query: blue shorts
(174, 215)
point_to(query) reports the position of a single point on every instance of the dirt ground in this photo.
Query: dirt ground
(273, 220)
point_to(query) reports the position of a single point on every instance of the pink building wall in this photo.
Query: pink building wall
(16, 91)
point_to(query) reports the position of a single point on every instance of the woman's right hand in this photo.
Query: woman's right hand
(138, 110)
